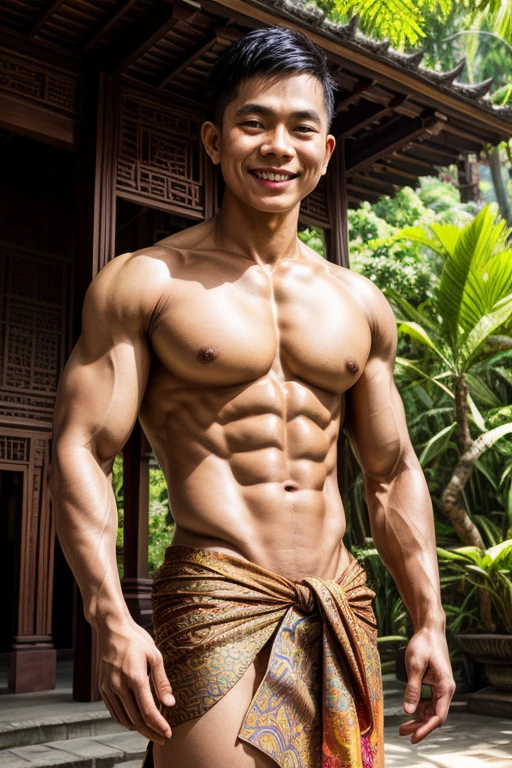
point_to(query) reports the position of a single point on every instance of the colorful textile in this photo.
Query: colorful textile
(319, 704)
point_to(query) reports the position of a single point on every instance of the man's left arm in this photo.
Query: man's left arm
(401, 517)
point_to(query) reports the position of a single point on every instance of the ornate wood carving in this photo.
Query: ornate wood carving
(33, 82)
(14, 449)
(33, 657)
(34, 331)
(159, 157)
(313, 209)
(37, 100)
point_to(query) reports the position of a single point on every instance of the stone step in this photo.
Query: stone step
(57, 727)
(101, 751)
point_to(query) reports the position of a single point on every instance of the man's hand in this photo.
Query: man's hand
(124, 682)
(427, 661)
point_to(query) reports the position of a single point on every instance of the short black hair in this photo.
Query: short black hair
(271, 51)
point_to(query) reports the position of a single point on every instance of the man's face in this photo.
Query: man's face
(274, 123)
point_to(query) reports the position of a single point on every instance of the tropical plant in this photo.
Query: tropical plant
(404, 22)
(489, 570)
(388, 606)
(468, 324)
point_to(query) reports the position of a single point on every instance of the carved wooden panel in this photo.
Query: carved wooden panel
(160, 163)
(313, 209)
(35, 291)
(14, 448)
(29, 81)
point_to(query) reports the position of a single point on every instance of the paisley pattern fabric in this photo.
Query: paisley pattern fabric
(319, 704)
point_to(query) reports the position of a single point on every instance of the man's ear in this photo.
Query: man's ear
(210, 136)
(330, 144)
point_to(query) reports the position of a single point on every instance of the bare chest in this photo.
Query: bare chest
(298, 321)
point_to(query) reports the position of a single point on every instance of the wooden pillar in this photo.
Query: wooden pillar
(96, 217)
(96, 182)
(136, 583)
(32, 660)
(337, 202)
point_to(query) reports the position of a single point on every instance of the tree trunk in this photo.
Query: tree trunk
(459, 518)
(493, 155)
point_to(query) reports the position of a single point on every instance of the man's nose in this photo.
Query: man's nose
(277, 142)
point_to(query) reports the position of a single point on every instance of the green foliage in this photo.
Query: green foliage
(490, 570)
(314, 237)
(161, 523)
(388, 606)
(405, 23)
(378, 252)
(473, 301)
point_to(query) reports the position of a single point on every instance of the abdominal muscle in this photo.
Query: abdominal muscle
(250, 478)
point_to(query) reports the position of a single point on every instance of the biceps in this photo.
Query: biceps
(376, 424)
(98, 400)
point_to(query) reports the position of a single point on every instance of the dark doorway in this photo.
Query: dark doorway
(11, 507)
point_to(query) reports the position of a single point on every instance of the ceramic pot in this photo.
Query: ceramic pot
(495, 653)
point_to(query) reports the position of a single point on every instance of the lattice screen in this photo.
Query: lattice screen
(34, 330)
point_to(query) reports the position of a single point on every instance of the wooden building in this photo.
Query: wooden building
(101, 102)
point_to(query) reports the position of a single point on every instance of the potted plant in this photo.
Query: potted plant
(489, 570)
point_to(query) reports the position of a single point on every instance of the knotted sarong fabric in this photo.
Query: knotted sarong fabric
(319, 704)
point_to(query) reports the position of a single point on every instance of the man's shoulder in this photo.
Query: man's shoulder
(370, 298)
(128, 288)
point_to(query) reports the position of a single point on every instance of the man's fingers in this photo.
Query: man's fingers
(427, 720)
(425, 729)
(160, 682)
(130, 705)
(442, 696)
(119, 713)
(147, 707)
(412, 691)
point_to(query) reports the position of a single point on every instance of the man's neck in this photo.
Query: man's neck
(265, 238)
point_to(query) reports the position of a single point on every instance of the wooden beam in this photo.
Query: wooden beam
(367, 114)
(367, 194)
(367, 182)
(37, 51)
(386, 165)
(37, 122)
(167, 16)
(431, 155)
(390, 140)
(106, 26)
(227, 34)
(360, 88)
(387, 174)
(417, 166)
(53, 8)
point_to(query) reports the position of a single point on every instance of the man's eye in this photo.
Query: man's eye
(256, 123)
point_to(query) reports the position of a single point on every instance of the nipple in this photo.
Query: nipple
(352, 364)
(207, 354)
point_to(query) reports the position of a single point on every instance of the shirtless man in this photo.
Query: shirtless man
(243, 353)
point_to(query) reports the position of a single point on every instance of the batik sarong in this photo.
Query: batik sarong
(319, 704)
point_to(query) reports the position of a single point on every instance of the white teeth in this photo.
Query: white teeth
(272, 176)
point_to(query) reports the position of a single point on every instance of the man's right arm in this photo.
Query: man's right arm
(98, 399)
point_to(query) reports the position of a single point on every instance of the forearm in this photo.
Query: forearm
(402, 526)
(86, 520)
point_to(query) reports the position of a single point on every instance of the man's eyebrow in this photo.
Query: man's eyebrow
(259, 109)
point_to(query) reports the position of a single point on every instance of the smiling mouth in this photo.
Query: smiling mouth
(274, 176)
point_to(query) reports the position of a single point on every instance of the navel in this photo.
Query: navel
(207, 354)
(352, 364)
